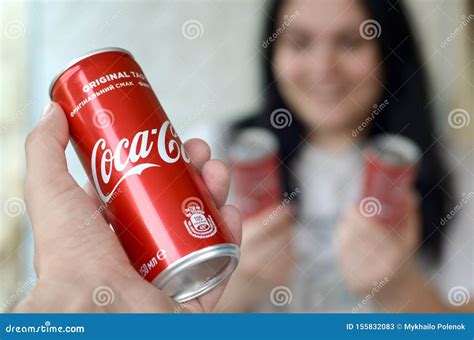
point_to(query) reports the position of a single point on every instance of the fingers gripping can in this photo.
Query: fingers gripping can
(157, 203)
(255, 164)
(390, 172)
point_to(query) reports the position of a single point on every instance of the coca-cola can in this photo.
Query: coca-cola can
(255, 168)
(156, 202)
(391, 166)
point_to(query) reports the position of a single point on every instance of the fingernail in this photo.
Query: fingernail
(47, 109)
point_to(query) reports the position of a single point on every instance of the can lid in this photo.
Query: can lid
(395, 149)
(252, 144)
(82, 57)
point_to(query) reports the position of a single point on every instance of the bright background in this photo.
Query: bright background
(210, 79)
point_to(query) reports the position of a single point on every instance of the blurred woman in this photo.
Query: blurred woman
(324, 65)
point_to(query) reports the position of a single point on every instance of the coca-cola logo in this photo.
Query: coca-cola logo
(142, 144)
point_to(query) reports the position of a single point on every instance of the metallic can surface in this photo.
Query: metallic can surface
(390, 172)
(255, 171)
(157, 203)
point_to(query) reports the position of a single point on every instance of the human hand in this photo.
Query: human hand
(74, 262)
(266, 259)
(369, 252)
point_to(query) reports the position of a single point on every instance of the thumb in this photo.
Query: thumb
(45, 157)
(57, 206)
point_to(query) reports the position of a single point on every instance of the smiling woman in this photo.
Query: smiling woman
(330, 73)
(339, 66)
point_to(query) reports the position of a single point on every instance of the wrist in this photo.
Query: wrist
(397, 292)
(80, 296)
(49, 297)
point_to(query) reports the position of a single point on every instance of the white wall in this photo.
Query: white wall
(198, 81)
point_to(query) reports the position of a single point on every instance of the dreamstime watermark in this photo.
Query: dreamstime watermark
(464, 22)
(281, 296)
(14, 207)
(370, 206)
(192, 29)
(459, 118)
(289, 20)
(47, 327)
(281, 118)
(194, 115)
(377, 108)
(370, 29)
(103, 119)
(106, 24)
(457, 208)
(103, 296)
(377, 286)
(458, 296)
(88, 221)
(10, 121)
(22, 288)
(182, 305)
(14, 29)
(287, 200)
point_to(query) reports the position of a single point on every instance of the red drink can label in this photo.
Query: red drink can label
(157, 203)
(256, 171)
(390, 172)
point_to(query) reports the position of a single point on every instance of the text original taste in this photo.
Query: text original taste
(110, 77)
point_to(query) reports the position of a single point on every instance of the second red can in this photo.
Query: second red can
(157, 203)
(390, 172)
(255, 171)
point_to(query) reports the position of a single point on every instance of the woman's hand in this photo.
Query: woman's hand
(369, 252)
(81, 266)
(266, 260)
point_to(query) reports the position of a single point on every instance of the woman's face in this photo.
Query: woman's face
(326, 71)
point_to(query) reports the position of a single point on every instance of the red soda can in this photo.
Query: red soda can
(255, 168)
(390, 172)
(157, 204)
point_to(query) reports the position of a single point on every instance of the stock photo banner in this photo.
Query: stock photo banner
(238, 326)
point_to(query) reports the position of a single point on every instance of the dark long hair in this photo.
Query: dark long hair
(408, 114)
